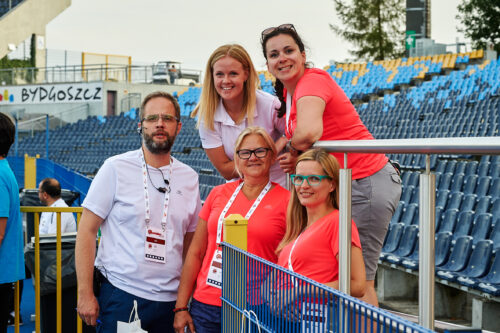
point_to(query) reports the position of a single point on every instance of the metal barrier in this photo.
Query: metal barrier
(462, 145)
(36, 273)
(258, 295)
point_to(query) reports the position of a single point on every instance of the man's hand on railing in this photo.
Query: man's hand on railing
(88, 308)
(181, 320)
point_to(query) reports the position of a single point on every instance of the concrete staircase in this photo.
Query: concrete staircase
(29, 17)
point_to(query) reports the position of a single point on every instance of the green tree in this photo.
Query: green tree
(480, 21)
(374, 27)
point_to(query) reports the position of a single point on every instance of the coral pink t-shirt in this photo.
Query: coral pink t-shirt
(315, 253)
(266, 228)
(340, 120)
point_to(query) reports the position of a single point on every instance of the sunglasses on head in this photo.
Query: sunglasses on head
(268, 31)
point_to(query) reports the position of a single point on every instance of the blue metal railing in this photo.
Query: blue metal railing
(259, 296)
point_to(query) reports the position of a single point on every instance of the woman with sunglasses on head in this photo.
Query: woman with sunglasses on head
(230, 102)
(316, 108)
(254, 196)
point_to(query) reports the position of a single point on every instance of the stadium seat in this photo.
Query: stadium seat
(397, 214)
(409, 214)
(481, 227)
(464, 224)
(469, 184)
(494, 190)
(442, 248)
(468, 202)
(392, 239)
(491, 282)
(455, 200)
(458, 258)
(457, 182)
(442, 198)
(478, 265)
(483, 204)
(409, 238)
(483, 184)
(407, 194)
(449, 220)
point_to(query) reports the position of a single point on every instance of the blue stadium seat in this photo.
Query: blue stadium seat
(409, 214)
(399, 211)
(445, 181)
(442, 198)
(483, 184)
(464, 224)
(483, 204)
(483, 169)
(406, 246)
(392, 239)
(494, 190)
(481, 227)
(458, 258)
(407, 194)
(491, 282)
(449, 220)
(468, 202)
(442, 248)
(455, 200)
(438, 217)
(478, 265)
(495, 236)
(469, 184)
(457, 182)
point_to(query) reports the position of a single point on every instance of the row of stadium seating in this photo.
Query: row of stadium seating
(5, 7)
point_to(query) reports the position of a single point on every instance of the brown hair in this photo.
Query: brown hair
(164, 95)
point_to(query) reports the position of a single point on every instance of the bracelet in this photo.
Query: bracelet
(180, 309)
(290, 147)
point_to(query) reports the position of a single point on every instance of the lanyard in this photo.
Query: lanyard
(146, 194)
(230, 202)
(288, 111)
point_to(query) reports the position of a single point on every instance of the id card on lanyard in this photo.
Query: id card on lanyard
(314, 314)
(155, 245)
(214, 277)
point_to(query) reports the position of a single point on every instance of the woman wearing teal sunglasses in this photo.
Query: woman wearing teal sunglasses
(310, 246)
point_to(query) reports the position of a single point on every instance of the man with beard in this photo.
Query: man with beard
(146, 204)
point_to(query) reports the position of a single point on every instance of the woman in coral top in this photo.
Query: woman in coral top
(254, 196)
(316, 108)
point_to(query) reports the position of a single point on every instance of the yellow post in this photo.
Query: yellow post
(29, 172)
(37, 273)
(235, 231)
(58, 276)
(16, 307)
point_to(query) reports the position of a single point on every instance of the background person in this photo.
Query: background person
(49, 192)
(146, 203)
(317, 109)
(255, 153)
(230, 102)
(11, 227)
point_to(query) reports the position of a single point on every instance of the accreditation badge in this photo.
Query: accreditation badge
(314, 317)
(155, 247)
(214, 277)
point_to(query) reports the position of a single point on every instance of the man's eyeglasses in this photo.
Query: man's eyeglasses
(268, 31)
(245, 154)
(312, 180)
(152, 118)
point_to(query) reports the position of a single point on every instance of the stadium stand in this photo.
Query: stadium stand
(452, 95)
(5, 7)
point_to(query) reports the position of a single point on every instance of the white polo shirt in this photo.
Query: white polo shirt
(48, 220)
(226, 131)
(116, 195)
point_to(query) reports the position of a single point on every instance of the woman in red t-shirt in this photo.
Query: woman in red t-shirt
(311, 243)
(316, 108)
(264, 204)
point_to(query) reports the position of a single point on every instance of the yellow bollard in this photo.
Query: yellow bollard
(29, 172)
(235, 231)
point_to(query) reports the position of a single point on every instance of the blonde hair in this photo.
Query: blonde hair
(296, 217)
(249, 131)
(210, 98)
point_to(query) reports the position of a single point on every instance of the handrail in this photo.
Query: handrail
(454, 145)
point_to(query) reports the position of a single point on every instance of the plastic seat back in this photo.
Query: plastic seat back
(468, 202)
(464, 224)
(457, 182)
(408, 240)
(495, 236)
(493, 275)
(445, 182)
(409, 214)
(442, 198)
(407, 193)
(470, 184)
(442, 246)
(483, 205)
(399, 211)
(455, 200)
(494, 190)
(459, 255)
(449, 220)
(481, 227)
(483, 184)
(480, 259)
(393, 237)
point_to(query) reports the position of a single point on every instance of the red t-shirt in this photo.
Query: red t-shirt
(340, 120)
(266, 228)
(315, 254)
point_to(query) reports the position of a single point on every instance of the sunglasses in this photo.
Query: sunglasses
(312, 180)
(268, 31)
